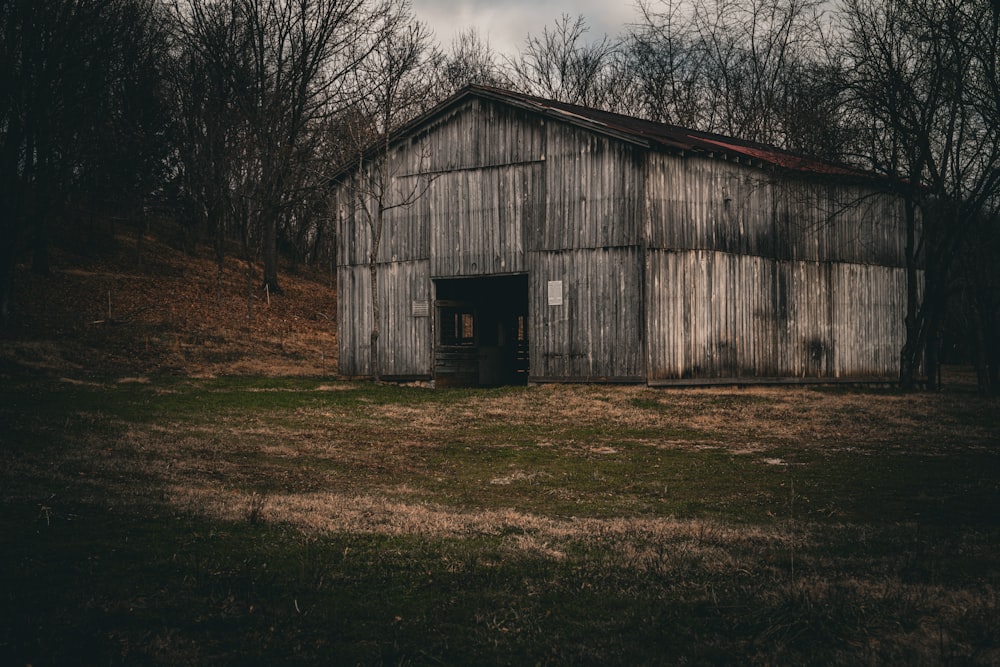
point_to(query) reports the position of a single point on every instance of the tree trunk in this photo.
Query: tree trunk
(249, 261)
(992, 335)
(12, 190)
(8, 260)
(220, 258)
(39, 222)
(40, 247)
(932, 342)
(271, 254)
(910, 354)
(986, 338)
(249, 288)
(981, 355)
(376, 330)
(140, 232)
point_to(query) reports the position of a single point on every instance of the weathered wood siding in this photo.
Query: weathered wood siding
(478, 217)
(405, 337)
(590, 242)
(479, 134)
(403, 276)
(405, 235)
(724, 316)
(486, 164)
(595, 190)
(697, 203)
(597, 332)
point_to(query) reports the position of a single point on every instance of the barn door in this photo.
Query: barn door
(482, 326)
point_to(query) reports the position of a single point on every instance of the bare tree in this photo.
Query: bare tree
(925, 75)
(81, 114)
(560, 65)
(282, 66)
(745, 68)
(814, 110)
(665, 68)
(470, 60)
(749, 47)
(394, 85)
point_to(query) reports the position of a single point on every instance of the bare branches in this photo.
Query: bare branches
(470, 60)
(925, 78)
(561, 65)
(745, 68)
(275, 69)
(391, 85)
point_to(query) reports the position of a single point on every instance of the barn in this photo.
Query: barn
(528, 240)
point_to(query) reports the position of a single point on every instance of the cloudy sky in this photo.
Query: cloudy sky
(505, 23)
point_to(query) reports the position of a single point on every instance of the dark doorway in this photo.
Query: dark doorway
(482, 331)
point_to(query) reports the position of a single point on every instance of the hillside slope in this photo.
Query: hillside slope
(137, 308)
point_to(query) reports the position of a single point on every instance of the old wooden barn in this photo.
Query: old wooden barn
(545, 242)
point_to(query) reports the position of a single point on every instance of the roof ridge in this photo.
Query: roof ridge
(684, 138)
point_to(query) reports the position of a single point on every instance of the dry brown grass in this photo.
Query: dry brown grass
(734, 521)
(109, 314)
(212, 467)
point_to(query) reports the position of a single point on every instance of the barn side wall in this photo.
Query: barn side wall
(406, 309)
(585, 262)
(722, 316)
(751, 276)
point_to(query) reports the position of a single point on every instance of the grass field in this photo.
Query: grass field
(238, 521)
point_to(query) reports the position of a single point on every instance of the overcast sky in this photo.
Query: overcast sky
(505, 23)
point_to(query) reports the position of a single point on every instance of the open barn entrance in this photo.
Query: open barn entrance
(482, 331)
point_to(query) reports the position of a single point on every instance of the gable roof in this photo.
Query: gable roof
(649, 134)
(664, 136)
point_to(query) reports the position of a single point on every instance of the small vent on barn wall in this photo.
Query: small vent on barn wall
(421, 308)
